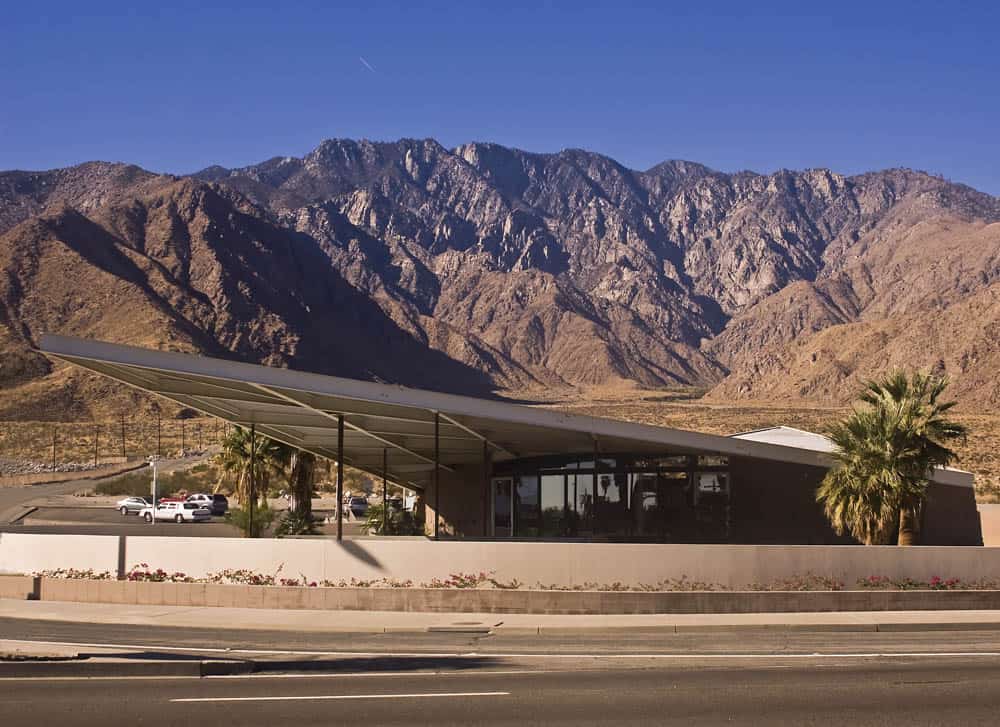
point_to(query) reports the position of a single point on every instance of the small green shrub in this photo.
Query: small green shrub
(293, 523)
(400, 522)
(263, 516)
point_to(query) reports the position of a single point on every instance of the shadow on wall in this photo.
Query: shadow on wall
(359, 552)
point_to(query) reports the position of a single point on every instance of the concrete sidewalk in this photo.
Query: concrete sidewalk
(403, 622)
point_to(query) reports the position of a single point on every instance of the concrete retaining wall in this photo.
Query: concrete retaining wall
(989, 516)
(19, 587)
(27, 553)
(500, 601)
(563, 564)
(113, 466)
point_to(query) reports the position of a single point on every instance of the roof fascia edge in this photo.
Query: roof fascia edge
(454, 404)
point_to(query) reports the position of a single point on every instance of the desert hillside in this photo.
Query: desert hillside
(485, 268)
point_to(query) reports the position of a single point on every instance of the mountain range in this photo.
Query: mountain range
(485, 268)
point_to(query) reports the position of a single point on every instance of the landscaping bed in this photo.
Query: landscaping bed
(479, 593)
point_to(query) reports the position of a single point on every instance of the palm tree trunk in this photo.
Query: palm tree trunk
(909, 526)
(303, 474)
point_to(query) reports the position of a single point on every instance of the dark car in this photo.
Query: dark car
(358, 506)
(220, 504)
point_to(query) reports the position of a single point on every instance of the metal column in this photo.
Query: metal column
(437, 475)
(596, 494)
(385, 491)
(253, 476)
(340, 477)
(486, 488)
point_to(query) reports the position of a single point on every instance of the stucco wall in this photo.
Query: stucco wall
(26, 553)
(463, 498)
(989, 515)
(775, 502)
(565, 564)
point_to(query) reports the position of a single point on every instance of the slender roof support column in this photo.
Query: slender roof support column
(486, 488)
(340, 477)
(437, 474)
(253, 476)
(598, 505)
(385, 491)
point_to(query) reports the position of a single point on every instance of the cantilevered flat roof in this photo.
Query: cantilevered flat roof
(301, 409)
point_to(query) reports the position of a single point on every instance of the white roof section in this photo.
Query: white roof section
(301, 409)
(789, 437)
(801, 439)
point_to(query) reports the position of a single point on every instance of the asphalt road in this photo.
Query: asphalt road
(922, 692)
(470, 642)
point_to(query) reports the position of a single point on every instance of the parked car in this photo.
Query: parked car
(217, 504)
(220, 504)
(358, 506)
(177, 511)
(132, 505)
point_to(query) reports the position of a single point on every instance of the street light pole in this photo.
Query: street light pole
(152, 461)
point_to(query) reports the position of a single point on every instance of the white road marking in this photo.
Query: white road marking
(416, 695)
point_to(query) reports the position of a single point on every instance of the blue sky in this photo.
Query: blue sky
(760, 86)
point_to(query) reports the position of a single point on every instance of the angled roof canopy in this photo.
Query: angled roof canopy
(302, 409)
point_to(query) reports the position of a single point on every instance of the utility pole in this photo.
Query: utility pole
(183, 439)
(152, 462)
(159, 452)
(53, 447)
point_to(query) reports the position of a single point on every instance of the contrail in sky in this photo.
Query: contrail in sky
(366, 64)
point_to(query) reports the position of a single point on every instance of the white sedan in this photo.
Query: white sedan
(178, 512)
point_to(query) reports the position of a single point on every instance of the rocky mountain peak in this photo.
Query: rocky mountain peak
(503, 267)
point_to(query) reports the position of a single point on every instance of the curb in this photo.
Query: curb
(899, 627)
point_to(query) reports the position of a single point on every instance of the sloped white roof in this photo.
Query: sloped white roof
(789, 437)
(382, 420)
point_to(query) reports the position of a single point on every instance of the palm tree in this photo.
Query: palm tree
(885, 451)
(235, 459)
(301, 475)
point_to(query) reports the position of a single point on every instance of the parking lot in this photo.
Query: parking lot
(63, 508)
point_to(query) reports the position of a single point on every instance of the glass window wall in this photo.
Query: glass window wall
(666, 499)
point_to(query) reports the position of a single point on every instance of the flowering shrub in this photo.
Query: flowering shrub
(936, 583)
(374, 583)
(487, 580)
(808, 582)
(142, 572)
(472, 580)
(89, 574)
(243, 577)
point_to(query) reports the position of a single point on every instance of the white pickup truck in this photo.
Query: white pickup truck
(179, 512)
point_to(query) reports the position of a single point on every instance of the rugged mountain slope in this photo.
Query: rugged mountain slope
(187, 267)
(488, 266)
(921, 296)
